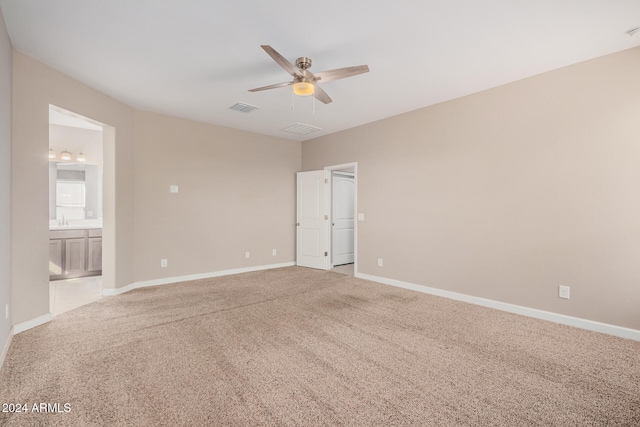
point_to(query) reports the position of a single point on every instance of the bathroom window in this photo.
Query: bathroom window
(70, 199)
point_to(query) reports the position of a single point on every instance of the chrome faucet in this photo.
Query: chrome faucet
(63, 222)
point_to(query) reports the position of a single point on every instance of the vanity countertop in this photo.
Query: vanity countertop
(75, 224)
(74, 227)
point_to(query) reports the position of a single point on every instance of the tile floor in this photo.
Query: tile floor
(65, 295)
(343, 269)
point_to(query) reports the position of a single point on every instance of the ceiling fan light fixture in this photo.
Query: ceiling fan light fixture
(303, 88)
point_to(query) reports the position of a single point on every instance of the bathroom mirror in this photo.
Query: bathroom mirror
(75, 191)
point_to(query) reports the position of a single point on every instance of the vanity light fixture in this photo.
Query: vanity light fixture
(66, 156)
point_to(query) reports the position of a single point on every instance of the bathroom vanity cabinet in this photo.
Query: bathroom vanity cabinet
(75, 253)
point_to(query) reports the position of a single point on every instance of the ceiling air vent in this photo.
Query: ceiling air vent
(243, 108)
(300, 129)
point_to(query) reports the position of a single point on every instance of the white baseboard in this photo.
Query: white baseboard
(5, 347)
(577, 322)
(40, 320)
(168, 280)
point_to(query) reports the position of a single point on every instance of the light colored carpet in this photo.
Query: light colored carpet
(298, 347)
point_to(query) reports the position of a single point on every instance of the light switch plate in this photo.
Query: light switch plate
(173, 189)
(360, 217)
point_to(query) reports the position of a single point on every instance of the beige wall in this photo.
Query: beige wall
(35, 86)
(5, 182)
(508, 193)
(236, 194)
(237, 190)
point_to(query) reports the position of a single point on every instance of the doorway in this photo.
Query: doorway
(342, 218)
(75, 210)
(326, 229)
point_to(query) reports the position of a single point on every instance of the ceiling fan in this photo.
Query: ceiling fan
(304, 81)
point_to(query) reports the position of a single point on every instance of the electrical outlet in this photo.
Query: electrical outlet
(163, 263)
(379, 262)
(274, 252)
(6, 311)
(247, 254)
(564, 292)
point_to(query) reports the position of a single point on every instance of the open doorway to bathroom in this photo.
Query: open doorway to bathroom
(75, 210)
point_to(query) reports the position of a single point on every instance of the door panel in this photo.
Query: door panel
(343, 219)
(312, 219)
(311, 202)
(310, 243)
(343, 243)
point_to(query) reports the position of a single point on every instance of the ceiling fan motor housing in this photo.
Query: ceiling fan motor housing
(303, 62)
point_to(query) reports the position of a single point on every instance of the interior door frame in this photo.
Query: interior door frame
(346, 167)
(108, 196)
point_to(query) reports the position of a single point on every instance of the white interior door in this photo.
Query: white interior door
(312, 230)
(343, 218)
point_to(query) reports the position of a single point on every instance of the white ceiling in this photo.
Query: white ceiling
(196, 58)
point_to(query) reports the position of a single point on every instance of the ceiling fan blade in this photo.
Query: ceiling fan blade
(341, 73)
(321, 95)
(281, 60)
(277, 85)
